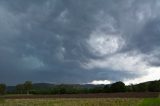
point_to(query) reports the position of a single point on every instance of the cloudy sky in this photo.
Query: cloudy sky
(79, 41)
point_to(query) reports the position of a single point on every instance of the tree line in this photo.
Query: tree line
(29, 88)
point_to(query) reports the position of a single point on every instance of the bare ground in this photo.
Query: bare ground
(96, 95)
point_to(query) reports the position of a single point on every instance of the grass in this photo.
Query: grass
(2, 101)
(81, 102)
(72, 102)
(151, 102)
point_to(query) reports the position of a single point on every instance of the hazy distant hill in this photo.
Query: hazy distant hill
(48, 86)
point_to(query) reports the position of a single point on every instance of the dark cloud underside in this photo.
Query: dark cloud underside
(68, 41)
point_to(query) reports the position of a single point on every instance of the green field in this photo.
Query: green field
(81, 102)
(151, 102)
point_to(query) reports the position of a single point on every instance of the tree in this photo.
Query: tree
(130, 88)
(154, 86)
(20, 88)
(142, 87)
(28, 86)
(96, 90)
(118, 87)
(2, 88)
(107, 88)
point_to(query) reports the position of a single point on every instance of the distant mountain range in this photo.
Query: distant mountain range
(49, 85)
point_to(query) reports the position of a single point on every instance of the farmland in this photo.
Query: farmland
(102, 99)
(71, 102)
(116, 94)
(91, 95)
(81, 102)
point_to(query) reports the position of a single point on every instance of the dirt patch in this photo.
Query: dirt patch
(98, 95)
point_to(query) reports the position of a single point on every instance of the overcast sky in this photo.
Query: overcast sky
(79, 41)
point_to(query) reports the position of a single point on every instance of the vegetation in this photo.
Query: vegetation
(29, 88)
(24, 88)
(118, 87)
(154, 86)
(20, 89)
(151, 102)
(2, 101)
(2, 89)
(72, 102)
(82, 102)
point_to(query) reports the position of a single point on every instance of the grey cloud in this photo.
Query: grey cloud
(46, 40)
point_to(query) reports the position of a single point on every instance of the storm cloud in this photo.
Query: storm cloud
(68, 41)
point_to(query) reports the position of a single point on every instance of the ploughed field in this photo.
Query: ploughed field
(108, 99)
(94, 95)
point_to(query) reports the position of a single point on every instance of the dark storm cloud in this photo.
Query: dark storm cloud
(47, 40)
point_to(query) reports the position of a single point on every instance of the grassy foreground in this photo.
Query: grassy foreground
(81, 102)
(151, 102)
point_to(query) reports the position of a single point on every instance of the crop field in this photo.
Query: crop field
(82, 102)
(71, 102)
(108, 99)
